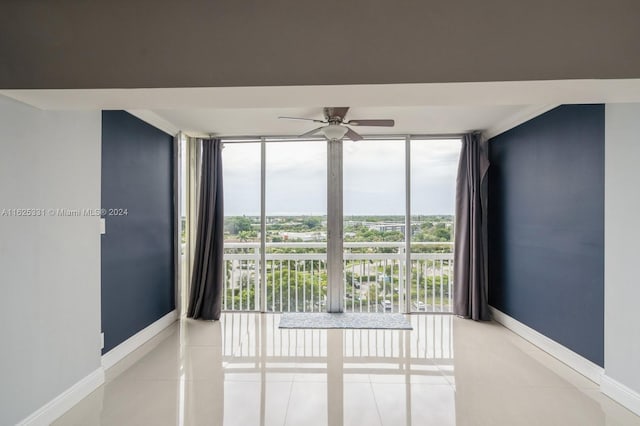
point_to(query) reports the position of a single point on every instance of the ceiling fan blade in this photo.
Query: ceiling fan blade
(383, 123)
(353, 135)
(330, 112)
(312, 132)
(306, 119)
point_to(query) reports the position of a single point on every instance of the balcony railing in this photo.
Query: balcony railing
(247, 338)
(374, 277)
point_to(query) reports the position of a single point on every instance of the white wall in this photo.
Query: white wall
(622, 256)
(49, 266)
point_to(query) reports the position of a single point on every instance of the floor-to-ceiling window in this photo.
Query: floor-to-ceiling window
(374, 224)
(242, 225)
(433, 166)
(396, 231)
(296, 228)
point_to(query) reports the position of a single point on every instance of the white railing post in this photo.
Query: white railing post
(401, 280)
(257, 279)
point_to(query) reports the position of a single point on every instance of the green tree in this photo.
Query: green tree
(247, 235)
(239, 224)
(311, 222)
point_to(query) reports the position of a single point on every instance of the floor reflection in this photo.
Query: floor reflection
(243, 370)
(343, 375)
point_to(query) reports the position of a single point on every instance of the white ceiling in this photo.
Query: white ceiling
(409, 120)
(417, 108)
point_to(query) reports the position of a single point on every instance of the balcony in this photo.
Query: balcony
(375, 279)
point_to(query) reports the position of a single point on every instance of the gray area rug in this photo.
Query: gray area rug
(346, 320)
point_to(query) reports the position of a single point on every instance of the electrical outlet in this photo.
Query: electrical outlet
(101, 340)
(103, 226)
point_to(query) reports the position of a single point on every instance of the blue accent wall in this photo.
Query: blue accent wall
(546, 226)
(137, 249)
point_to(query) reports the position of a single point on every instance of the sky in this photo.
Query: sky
(374, 177)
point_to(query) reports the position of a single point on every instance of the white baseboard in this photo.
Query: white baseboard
(59, 405)
(582, 365)
(134, 342)
(55, 408)
(621, 394)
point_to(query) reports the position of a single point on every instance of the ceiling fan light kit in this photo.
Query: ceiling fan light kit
(334, 132)
(336, 128)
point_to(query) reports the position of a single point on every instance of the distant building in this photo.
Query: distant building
(304, 236)
(385, 226)
(390, 226)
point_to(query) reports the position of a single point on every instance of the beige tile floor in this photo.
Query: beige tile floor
(243, 370)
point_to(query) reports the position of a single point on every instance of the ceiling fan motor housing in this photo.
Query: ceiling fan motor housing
(336, 128)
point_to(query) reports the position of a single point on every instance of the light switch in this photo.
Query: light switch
(103, 226)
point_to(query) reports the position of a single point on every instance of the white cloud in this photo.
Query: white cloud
(374, 175)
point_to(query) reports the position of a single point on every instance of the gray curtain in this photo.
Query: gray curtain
(470, 282)
(205, 300)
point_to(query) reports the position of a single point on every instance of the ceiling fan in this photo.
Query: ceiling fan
(336, 125)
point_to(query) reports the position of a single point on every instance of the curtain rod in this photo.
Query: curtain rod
(289, 138)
